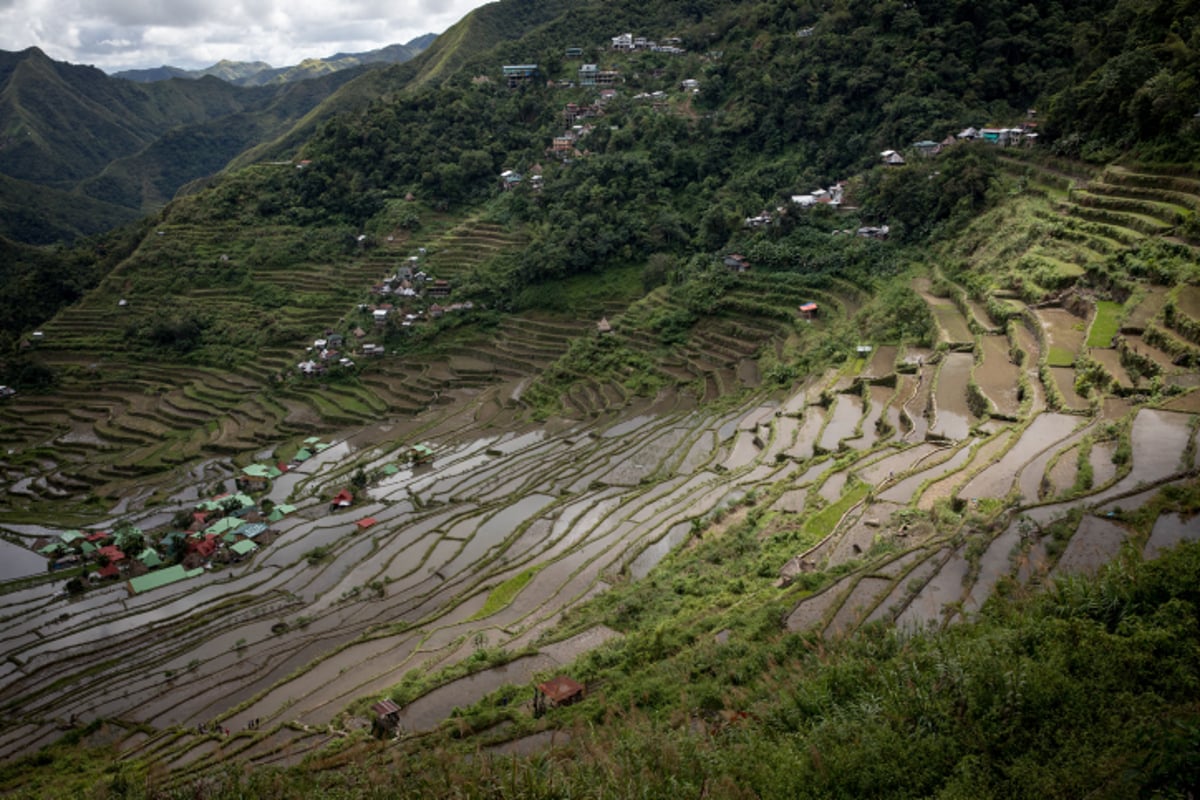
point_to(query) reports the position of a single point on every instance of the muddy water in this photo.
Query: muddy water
(996, 561)
(1111, 361)
(883, 362)
(903, 491)
(946, 587)
(1188, 301)
(951, 322)
(648, 559)
(847, 412)
(999, 377)
(791, 502)
(1030, 481)
(1103, 468)
(806, 437)
(1139, 345)
(744, 451)
(1061, 477)
(832, 488)
(906, 585)
(1159, 439)
(887, 468)
(880, 396)
(952, 419)
(17, 562)
(1169, 530)
(944, 488)
(1042, 433)
(861, 600)
(812, 610)
(1063, 329)
(1096, 542)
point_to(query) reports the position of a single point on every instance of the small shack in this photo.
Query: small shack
(387, 714)
(604, 327)
(809, 310)
(558, 691)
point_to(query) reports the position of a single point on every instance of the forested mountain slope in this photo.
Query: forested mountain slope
(813, 498)
(121, 148)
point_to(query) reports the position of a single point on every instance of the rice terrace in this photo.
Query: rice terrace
(433, 495)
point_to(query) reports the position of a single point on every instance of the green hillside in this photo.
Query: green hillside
(832, 454)
(259, 73)
(124, 149)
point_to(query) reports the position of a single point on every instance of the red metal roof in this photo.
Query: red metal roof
(561, 689)
(366, 522)
(385, 708)
(111, 552)
(342, 498)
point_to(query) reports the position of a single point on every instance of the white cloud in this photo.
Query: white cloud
(125, 34)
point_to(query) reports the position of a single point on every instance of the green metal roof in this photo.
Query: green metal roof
(312, 440)
(87, 548)
(70, 536)
(162, 577)
(150, 557)
(244, 547)
(304, 455)
(390, 469)
(225, 524)
(257, 471)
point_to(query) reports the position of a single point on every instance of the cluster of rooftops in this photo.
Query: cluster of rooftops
(226, 527)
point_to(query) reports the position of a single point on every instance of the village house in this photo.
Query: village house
(592, 75)
(809, 310)
(927, 147)
(892, 158)
(623, 42)
(574, 52)
(508, 179)
(762, 219)
(735, 262)
(439, 288)
(387, 715)
(558, 691)
(342, 499)
(563, 144)
(873, 232)
(519, 74)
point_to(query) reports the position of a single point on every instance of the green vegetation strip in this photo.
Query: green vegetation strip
(503, 594)
(825, 520)
(1104, 326)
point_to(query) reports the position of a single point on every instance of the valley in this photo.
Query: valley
(884, 471)
(484, 432)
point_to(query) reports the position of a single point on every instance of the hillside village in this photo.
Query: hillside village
(438, 532)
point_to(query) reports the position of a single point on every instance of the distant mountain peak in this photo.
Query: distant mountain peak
(257, 73)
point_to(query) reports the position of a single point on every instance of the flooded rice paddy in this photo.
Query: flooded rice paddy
(327, 613)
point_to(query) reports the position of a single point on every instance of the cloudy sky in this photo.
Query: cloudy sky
(127, 34)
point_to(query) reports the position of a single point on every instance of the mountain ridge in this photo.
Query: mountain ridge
(560, 379)
(258, 73)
